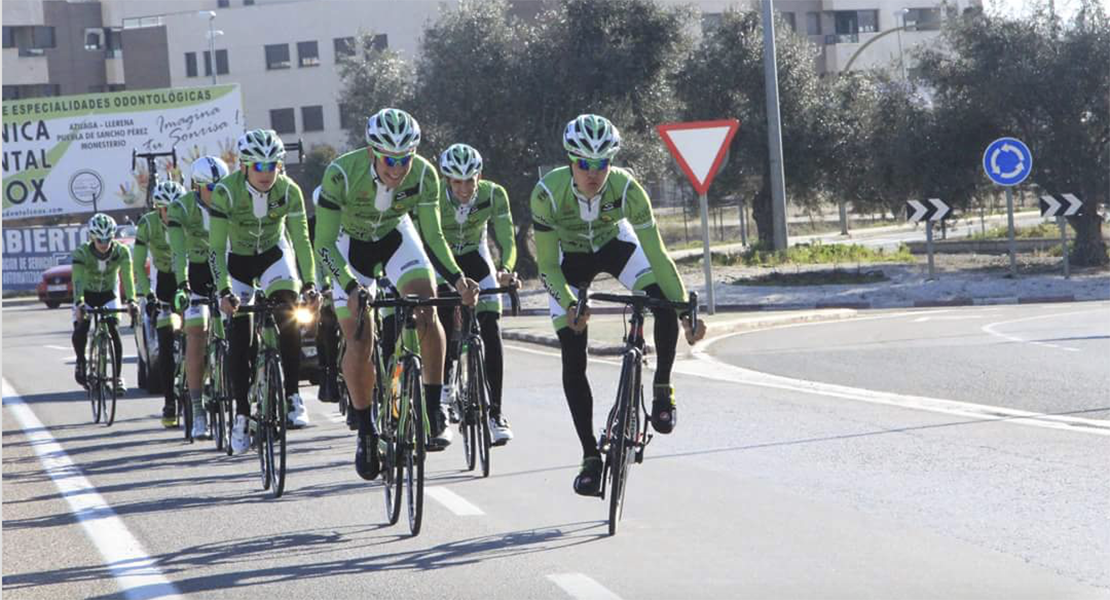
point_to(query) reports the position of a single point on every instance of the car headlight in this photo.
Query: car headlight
(303, 315)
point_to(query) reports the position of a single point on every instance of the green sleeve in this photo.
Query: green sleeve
(126, 273)
(503, 228)
(431, 228)
(296, 223)
(329, 214)
(217, 238)
(140, 274)
(637, 208)
(547, 249)
(180, 253)
(78, 276)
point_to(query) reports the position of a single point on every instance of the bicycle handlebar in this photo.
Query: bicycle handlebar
(691, 305)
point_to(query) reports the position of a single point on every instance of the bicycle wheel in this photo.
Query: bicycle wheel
(108, 399)
(622, 440)
(227, 401)
(92, 379)
(261, 434)
(216, 425)
(387, 452)
(416, 429)
(467, 407)
(481, 401)
(277, 424)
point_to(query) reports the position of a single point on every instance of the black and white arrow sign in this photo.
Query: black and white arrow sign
(1068, 207)
(933, 209)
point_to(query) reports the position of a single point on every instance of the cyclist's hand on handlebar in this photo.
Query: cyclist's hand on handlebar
(507, 279)
(132, 308)
(181, 300)
(693, 337)
(82, 309)
(311, 296)
(468, 289)
(576, 323)
(229, 303)
(353, 300)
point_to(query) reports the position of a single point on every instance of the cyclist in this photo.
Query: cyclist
(153, 236)
(363, 222)
(98, 267)
(468, 204)
(188, 225)
(327, 327)
(591, 217)
(257, 213)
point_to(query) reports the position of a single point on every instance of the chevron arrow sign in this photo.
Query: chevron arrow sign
(1067, 206)
(933, 209)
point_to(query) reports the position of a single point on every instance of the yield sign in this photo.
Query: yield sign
(699, 147)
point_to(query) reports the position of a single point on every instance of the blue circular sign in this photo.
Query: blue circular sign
(1007, 161)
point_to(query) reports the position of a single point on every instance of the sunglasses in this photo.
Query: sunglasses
(210, 186)
(264, 167)
(586, 164)
(393, 161)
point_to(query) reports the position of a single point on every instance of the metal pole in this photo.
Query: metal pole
(1064, 245)
(1013, 244)
(212, 48)
(843, 218)
(743, 224)
(774, 133)
(929, 246)
(901, 55)
(707, 255)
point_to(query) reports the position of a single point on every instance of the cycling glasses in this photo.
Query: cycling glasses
(586, 164)
(264, 167)
(393, 161)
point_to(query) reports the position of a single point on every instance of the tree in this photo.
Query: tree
(1045, 82)
(319, 157)
(725, 78)
(373, 80)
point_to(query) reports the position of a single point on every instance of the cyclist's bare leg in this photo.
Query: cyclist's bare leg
(357, 370)
(195, 341)
(432, 343)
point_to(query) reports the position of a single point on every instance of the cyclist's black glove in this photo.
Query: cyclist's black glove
(309, 292)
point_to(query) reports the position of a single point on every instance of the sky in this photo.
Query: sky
(1066, 8)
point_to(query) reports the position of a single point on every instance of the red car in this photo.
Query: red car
(56, 286)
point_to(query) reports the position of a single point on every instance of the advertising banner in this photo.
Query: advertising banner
(67, 154)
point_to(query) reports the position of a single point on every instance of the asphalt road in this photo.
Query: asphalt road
(764, 491)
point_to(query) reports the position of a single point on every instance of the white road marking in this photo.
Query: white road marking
(58, 347)
(990, 328)
(950, 318)
(136, 573)
(582, 587)
(454, 502)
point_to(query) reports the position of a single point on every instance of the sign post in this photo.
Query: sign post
(933, 209)
(1007, 162)
(1070, 207)
(700, 147)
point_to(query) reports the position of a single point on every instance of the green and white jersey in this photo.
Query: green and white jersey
(353, 199)
(93, 273)
(189, 223)
(564, 220)
(464, 225)
(248, 223)
(153, 236)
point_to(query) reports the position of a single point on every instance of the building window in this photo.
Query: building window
(345, 46)
(94, 39)
(813, 23)
(308, 54)
(312, 118)
(222, 63)
(868, 21)
(282, 120)
(347, 117)
(116, 87)
(42, 37)
(9, 41)
(113, 42)
(277, 56)
(190, 64)
(248, 2)
(922, 19)
(11, 92)
(789, 18)
(223, 3)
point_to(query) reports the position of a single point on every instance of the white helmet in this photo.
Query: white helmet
(460, 161)
(261, 145)
(102, 228)
(393, 130)
(208, 169)
(166, 193)
(591, 136)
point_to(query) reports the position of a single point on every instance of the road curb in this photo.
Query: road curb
(607, 349)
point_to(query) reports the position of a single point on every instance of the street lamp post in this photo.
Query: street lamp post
(212, 33)
(901, 55)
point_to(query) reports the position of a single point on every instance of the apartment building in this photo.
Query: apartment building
(285, 53)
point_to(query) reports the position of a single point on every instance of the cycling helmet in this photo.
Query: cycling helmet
(261, 145)
(591, 136)
(460, 161)
(393, 131)
(208, 169)
(102, 228)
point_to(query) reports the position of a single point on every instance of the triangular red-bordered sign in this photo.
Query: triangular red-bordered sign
(699, 147)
